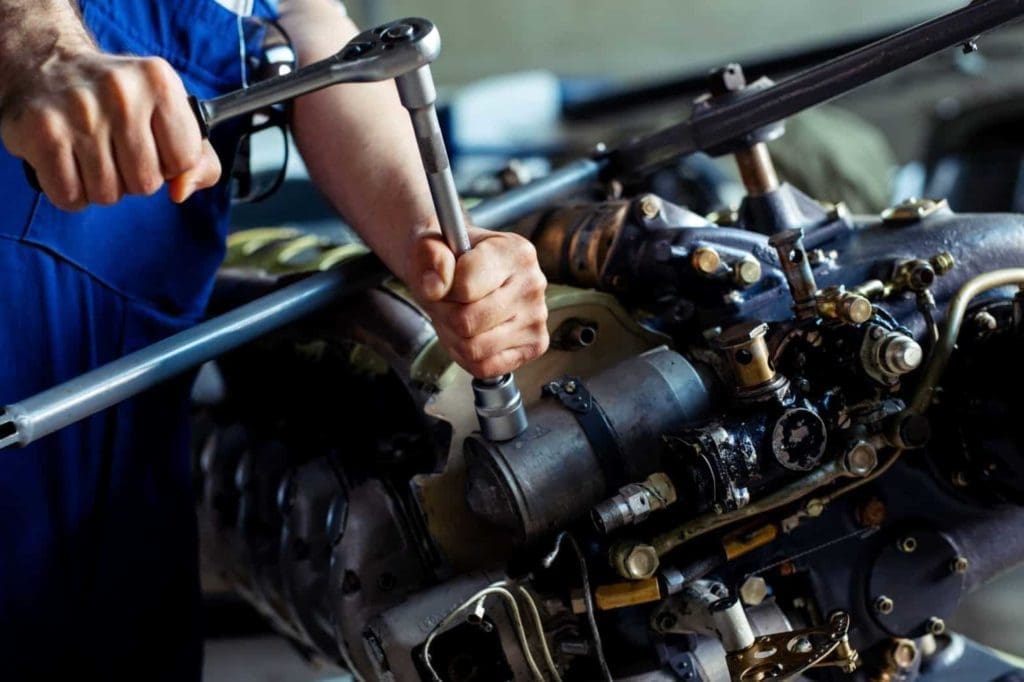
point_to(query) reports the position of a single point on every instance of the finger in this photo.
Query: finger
(174, 126)
(471, 319)
(483, 270)
(59, 179)
(484, 355)
(433, 270)
(94, 155)
(137, 159)
(205, 174)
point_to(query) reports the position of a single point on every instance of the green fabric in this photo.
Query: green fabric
(834, 155)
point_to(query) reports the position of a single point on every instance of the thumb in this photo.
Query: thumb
(204, 174)
(433, 268)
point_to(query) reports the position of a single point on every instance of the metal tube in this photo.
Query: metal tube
(29, 420)
(816, 85)
(53, 409)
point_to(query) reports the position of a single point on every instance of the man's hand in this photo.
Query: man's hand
(96, 127)
(488, 307)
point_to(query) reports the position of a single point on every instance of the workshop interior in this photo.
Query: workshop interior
(777, 434)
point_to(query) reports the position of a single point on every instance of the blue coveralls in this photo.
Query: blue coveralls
(98, 548)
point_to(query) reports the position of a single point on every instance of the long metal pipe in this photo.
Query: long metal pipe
(816, 85)
(44, 413)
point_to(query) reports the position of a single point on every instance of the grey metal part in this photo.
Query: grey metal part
(367, 57)
(520, 485)
(374, 565)
(310, 490)
(499, 407)
(392, 635)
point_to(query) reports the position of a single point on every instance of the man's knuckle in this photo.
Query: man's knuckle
(464, 323)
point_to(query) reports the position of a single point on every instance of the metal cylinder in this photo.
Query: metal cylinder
(552, 473)
(731, 624)
(499, 408)
(757, 170)
(793, 257)
(746, 350)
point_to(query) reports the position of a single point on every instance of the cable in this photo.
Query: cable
(497, 588)
(588, 599)
(540, 634)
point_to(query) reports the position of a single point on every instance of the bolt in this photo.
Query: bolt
(942, 262)
(650, 206)
(746, 271)
(872, 513)
(815, 508)
(855, 309)
(960, 565)
(901, 354)
(907, 544)
(705, 260)
(986, 321)
(801, 646)
(884, 605)
(754, 590)
(640, 562)
(862, 459)
(728, 78)
(570, 387)
(666, 620)
(904, 653)
(936, 626)
(399, 33)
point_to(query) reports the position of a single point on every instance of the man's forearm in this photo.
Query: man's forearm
(33, 32)
(358, 144)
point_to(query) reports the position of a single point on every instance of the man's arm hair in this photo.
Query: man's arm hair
(34, 31)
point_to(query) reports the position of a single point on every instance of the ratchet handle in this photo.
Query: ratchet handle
(32, 178)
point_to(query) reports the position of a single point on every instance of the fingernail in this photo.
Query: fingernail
(432, 283)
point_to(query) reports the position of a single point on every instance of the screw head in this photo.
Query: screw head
(754, 590)
(815, 508)
(641, 561)
(960, 565)
(862, 459)
(884, 605)
(801, 646)
(907, 545)
(650, 206)
(936, 626)
(747, 271)
(705, 260)
(904, 653)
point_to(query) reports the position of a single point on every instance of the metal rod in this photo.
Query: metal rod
(813, 86)
(44, 413)
(53, 409)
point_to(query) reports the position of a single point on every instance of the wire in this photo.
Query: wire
(588, 599)
(552, 668)
(499, 589)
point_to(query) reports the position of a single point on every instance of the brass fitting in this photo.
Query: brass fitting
(846, 306)
(746, 350)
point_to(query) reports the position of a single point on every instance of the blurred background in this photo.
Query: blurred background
(536, 82)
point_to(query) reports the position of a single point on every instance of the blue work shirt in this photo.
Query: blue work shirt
(98, 548)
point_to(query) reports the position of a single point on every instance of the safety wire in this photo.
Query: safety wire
(500, 589)
(588, 599)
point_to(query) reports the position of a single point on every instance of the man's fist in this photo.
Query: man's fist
(488, 307)
(96, 127)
